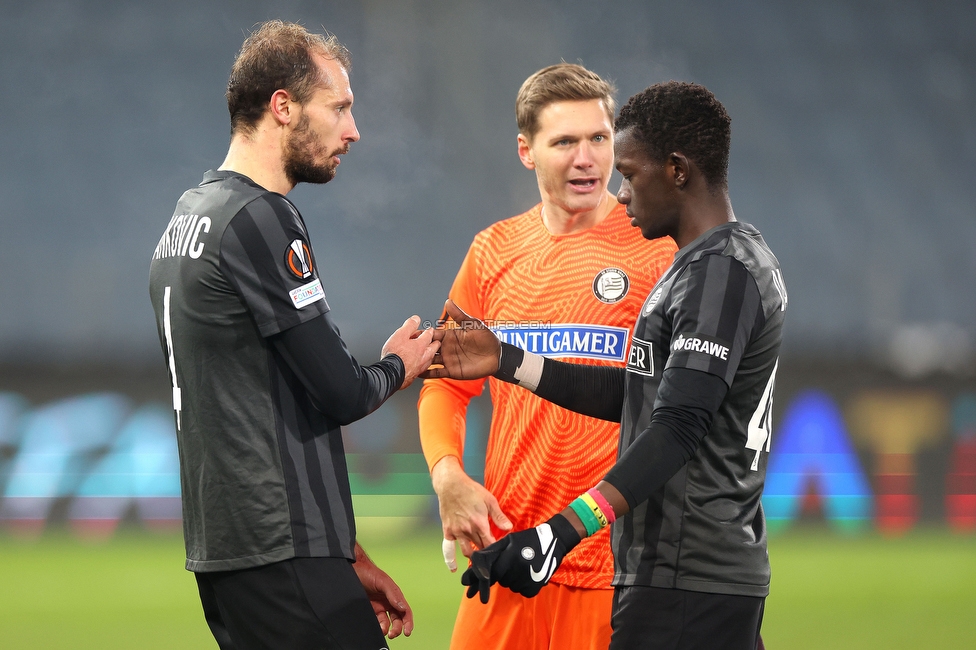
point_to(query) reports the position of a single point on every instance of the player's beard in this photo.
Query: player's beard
(301, 151)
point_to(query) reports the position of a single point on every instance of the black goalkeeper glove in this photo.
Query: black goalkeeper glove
(522, 561)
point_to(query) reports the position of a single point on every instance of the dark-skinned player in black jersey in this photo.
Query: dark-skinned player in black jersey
(694, 402)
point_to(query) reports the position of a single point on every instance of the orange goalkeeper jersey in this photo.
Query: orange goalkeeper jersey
(572, 297)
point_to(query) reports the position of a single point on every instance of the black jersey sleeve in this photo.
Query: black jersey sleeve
(716, 309)
(336, 383)
(266, 257)
(687, 400)
(596, 391)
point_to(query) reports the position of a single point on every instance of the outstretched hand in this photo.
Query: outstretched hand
(392, 611)
(415, 348)
(467, 510)
(468, 350)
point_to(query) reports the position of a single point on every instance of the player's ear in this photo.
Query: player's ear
(281, 107)
(525, 152)
(678, 167)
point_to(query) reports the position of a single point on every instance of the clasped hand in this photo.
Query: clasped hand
(523, 561)
(468, 350)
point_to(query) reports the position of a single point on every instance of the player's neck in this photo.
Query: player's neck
(562, 222)
(259, 157)
(703, 215)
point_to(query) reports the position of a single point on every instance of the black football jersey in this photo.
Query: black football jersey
(263, 472)
(719, 309)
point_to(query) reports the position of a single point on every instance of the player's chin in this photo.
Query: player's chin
(583, 202)
(311, 174)
(648, 230)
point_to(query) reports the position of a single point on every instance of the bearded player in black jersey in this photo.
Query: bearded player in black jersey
(694, 402)
(261, 378)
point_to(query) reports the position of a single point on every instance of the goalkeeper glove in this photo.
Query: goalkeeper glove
(522, 561)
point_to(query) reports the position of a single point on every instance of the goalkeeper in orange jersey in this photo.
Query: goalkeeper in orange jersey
(565, 280)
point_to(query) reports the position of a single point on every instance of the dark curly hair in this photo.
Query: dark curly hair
(276, 56)
(685, 118)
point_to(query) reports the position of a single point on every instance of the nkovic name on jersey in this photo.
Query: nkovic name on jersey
(182, 235)
(568, 340)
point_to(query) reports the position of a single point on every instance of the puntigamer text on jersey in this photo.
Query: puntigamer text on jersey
(570, 340)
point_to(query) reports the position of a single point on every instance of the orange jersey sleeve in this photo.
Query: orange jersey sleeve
(573, 297)
(443, 403)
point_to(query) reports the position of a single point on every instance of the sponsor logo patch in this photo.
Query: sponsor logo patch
(611, 285)
(641, 360)
(580, 341)
(298, 260)
(701, 344)
(307, 294)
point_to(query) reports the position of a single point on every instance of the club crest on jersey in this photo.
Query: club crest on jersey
(611, 285)
(653, 300)
(298, 260)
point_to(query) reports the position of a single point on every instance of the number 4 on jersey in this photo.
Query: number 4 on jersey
(760, 428)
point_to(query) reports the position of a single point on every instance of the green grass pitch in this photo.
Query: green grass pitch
(829, 591)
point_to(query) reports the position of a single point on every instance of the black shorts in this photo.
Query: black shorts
(675, 619)
(302, 603)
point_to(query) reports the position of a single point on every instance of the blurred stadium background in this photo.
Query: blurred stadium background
(854, 152)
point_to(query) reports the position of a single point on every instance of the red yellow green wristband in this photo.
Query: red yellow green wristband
(594, 511)
(603, 503)
(583, 511)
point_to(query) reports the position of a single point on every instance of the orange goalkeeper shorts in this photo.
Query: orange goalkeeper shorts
(568, 618)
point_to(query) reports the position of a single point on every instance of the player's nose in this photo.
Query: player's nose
(351, 133)
(623, 194)
(584, 155)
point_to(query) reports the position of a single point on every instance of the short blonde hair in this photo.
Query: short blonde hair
(559, 83)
